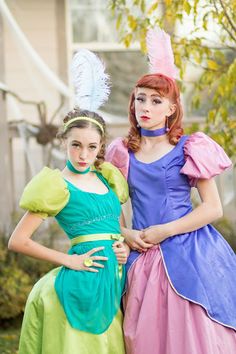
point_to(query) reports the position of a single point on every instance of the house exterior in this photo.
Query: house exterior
(37, 41)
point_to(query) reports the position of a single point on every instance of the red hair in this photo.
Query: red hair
(166, 87)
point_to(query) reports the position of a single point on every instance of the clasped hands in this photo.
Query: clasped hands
(142, 240)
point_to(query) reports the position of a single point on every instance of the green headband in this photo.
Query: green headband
(84, 118)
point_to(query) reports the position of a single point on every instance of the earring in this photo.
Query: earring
(137, 125)
(167, 125)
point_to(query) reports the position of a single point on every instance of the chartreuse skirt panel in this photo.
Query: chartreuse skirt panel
(46, 330)
(76, 310)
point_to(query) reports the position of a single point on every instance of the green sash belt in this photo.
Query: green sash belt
(96, 237)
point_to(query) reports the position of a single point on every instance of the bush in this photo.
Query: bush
(9, 341)
(18, 274)
(225, 227)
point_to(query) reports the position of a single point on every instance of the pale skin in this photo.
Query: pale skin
(82, 147)
(155, 109)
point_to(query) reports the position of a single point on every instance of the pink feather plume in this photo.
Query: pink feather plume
(160, 54)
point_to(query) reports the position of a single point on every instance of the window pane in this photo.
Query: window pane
(92, 21)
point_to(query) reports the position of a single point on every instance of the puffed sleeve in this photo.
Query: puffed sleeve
(118, 155)
(46, 194)
(116, 181)
(204, 158)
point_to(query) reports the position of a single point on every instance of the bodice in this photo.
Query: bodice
(90, 213)
(159, 192)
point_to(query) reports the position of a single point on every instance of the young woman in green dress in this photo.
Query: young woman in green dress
(75, 308)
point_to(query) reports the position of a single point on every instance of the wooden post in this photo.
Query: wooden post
(5, 180)
(62, 41)
(62, 44)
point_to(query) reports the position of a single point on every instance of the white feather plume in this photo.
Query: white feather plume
(90, 81)
(160, 54)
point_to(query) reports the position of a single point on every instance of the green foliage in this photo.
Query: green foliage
(214, 54)
(14, 285)
(9, 340)
(226, 229)
(18, 273)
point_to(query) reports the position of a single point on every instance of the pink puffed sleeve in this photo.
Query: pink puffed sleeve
(118, 155)
(204, 158)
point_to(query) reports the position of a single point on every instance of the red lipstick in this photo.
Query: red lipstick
(144, 117)
(82, 164)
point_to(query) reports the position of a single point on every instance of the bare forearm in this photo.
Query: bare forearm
(20, 241)
(35, 250)
(122, 220)
(199, 217)
(125, 231)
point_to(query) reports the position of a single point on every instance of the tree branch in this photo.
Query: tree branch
(223, 25)
(227, 16)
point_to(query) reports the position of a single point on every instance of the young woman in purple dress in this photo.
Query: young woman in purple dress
(181, 294)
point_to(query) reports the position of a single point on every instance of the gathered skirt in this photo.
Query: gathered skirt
(46, 330)
(159, 321)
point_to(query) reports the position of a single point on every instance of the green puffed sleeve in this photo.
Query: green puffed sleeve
(116, 180)
(46, 194)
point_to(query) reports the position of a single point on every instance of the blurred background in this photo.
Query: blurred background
(37, 42)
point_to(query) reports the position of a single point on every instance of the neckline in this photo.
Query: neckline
(83, 191)
(158, 160)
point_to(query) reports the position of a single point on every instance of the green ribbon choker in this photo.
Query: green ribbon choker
(72, 169)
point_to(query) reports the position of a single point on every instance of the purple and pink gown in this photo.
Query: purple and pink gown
(181, 294)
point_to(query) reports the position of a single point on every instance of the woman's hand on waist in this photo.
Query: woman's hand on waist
(122, 251)
(86, 261)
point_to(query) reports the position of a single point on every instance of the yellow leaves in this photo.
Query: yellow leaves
(197, 57)
(204, 24)
(223, 112)
(118, 21)
(196, 101)
(232, 70)
(143, 6)
(127, 39)
(232, 124)
(187, 7)
(211, 115)
(153, 8)
(212, 64)
(178, 59)
(220, 90)
(132, 22)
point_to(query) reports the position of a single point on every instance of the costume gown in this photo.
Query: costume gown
(181, 295)
(68, 311)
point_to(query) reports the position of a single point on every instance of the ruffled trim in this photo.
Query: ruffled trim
(46, 194)
(204, 158)
(118, 155)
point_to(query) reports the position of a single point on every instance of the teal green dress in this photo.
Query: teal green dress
(68, 311)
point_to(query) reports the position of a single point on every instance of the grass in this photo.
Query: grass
(10, 334)
(9, 340)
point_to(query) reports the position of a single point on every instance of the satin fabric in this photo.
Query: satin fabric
(203, 158)
(200, 265)
(45, 329)
(157, 320)
(196, 262)
(91, 300)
